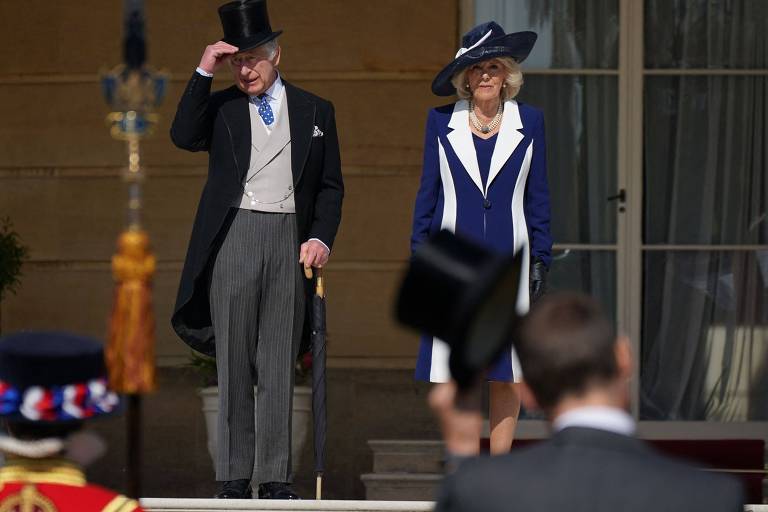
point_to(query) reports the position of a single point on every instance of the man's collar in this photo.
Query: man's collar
(600, 417)
(275, 91)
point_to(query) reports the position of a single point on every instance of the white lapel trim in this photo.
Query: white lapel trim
(520, 229)
(508, 139)
(462, 144)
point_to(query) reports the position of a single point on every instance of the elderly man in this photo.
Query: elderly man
(577, 371)
(272, 202)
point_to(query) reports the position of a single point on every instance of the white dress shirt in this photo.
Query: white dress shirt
(599, 417)
(274, 96)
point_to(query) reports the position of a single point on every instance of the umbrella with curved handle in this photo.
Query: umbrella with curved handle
(319, 412)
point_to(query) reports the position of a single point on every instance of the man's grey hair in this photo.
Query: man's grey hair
(270, 48)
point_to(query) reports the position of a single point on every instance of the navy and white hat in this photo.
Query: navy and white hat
(246, 24)
(53, 377)
(484, 42)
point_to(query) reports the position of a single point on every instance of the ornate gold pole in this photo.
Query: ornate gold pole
(133, 91)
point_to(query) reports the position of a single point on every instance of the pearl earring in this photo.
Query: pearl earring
(504, 86)
(466, 85)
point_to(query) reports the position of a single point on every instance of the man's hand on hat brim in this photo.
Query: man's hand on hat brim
(214, 55)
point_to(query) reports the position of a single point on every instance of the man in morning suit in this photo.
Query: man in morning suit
(271, 203)
(577, 371)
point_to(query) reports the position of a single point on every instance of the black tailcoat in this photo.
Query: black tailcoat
(220, 124)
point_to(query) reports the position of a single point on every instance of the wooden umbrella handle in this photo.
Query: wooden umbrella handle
(320, 284)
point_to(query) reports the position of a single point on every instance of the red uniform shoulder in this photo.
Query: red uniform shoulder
(59, 497)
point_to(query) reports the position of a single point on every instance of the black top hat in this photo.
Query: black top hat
(485, 41)
(53, 377)
(465, 295)
(246, 24)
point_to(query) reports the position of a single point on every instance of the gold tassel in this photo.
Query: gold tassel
(130, 352)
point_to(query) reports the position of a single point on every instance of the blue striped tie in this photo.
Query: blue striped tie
(265, 111)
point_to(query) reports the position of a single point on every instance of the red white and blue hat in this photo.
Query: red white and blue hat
(53, 377)
(485, 41)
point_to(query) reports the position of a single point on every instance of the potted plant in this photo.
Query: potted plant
(12, 256)
(205, 367)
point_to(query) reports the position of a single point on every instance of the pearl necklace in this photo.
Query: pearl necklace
(485, 128)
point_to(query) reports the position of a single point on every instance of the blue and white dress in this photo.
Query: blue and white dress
(493, 191)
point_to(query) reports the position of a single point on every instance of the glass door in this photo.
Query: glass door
(573, 76)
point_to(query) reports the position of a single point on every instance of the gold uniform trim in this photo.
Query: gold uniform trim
(27, 500)
(46, 471)
(121, 504)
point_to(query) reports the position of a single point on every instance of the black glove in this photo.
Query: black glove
(538, 280)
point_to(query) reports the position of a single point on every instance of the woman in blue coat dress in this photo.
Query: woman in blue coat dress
(485, 177)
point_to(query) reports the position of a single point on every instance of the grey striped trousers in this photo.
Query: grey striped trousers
(257, 308)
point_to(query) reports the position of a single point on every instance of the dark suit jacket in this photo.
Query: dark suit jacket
(220, 124)
(589, 470)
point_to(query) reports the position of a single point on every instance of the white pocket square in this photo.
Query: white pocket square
(317, 132)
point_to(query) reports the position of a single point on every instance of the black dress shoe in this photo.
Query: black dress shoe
(235, 490)
(276, 491)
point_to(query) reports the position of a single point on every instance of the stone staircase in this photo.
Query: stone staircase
(404, 470)
(210, 505)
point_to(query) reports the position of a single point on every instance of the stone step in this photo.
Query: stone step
(210, 505)
(407, 456)
(401, 486)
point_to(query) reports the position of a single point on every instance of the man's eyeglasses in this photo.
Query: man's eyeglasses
(248, 61)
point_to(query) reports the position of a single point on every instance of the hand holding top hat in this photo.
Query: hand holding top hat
(215, 55)
(246, 26)
(465, 295)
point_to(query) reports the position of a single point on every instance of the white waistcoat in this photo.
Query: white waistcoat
(268, 185)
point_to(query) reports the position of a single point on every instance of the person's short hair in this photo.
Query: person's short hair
(513, 80)
(566, 346)
(270, 47)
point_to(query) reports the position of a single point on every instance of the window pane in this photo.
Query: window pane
(706, 163)
(591, 272)
(704, 352)
(581, 125)
(572, 33)
(706, 34)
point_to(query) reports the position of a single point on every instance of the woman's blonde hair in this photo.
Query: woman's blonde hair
(513, 81)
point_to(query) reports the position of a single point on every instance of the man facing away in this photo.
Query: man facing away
(577, 371)
(272, 202)
(51, 383)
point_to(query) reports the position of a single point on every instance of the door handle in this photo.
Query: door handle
(621, 196)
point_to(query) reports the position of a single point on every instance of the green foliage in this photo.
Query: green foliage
(12, 256)
(205, 367)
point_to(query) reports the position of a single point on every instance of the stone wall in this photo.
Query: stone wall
(60, 184)
(60, 170)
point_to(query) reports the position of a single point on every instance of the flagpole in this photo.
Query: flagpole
(133, 91)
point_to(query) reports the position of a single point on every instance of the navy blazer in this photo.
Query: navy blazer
(512, 210)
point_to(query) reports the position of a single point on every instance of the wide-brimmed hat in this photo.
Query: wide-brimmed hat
(466, 295)
(53, 377)
(246, 24)
(485, 41)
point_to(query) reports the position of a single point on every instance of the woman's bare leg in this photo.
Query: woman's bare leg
(504, 409)
(461, 419)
